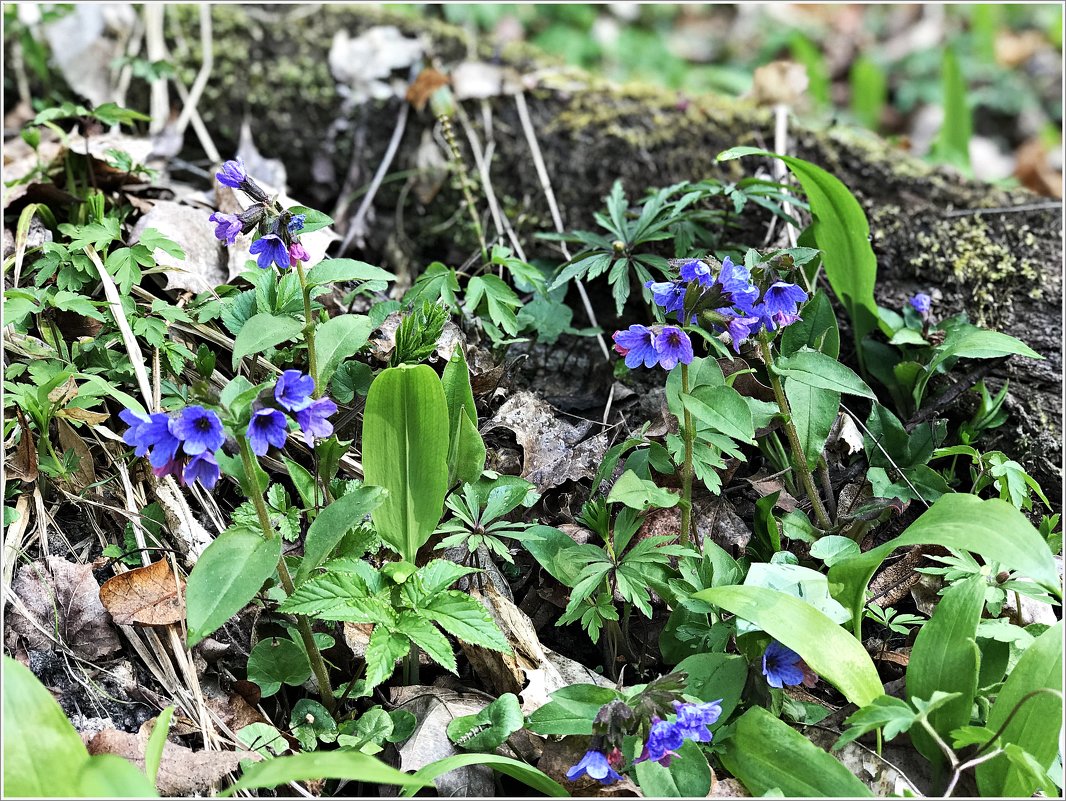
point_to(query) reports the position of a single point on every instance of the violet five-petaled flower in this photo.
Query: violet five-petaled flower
(740, 328)
(269, 249)
(150, 432)
(664, 739)
(779, 304)
(670, 295)
(696, 270)
(203, 468)
(227, 227)
(781, 666)
(664, 345)
(693, 719)
(673, 346)
(313, 419)
(267, 427)
(199, 430)
(922, 303)
(293, 390)
(596, 765)
(232, 174)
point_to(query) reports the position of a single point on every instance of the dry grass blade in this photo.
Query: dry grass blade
(13, 539)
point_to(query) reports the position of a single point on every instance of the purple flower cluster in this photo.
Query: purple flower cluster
(665, 345)
(183, 446)
(691, 723)
(782, 665)
(293, 392)
(277, 244)
(740, 303)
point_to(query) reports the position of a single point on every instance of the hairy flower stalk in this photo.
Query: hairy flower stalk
(309, 327)
(799, 460)
(318, 665)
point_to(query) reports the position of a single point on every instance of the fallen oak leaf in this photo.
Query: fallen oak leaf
(146, 596)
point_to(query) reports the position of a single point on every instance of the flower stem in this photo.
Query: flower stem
(318, 665)
(799, 459)
(686, 471)
(309, 328)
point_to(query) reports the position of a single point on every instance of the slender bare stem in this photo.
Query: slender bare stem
(318, 665)
(686, 471)
(309, 328)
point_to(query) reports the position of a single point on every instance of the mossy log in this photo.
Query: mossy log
(1002, 267)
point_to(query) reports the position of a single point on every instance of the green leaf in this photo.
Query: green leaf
(153, 751)
(528, 775)
(466, 449)
(766, 754)
(841, 232)
(945, 657)
(489, 728)
(817, 329)
(331, 270)
(571, 710)
(114, 114)
(226, 577)
(869, 91)
(263, 331)
(992, 528)
(426, 636)
(827, 648)
(891, 714)
(814, 410)
(277, 661)
(405, 450)
(305, 485)
(689, 775)
(1036, 726)
(336, 340)
(351, 765)
(799, 582)
(334, 522)
(314, 220)
(713, 676)
(466, 618)
(833, 549)
(640, 494)
(723, 409)
(952, 144)
(110, 776)
(382, 652)
(470, 451)
(815, 369)
(42, 751)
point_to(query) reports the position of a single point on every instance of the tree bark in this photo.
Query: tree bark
(1002, 267)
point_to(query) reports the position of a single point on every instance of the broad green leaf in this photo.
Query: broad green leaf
(330, 270)
(336, 340)
(827, 648)
(351, 765)
(640, 494)
(305, 485)
(466, 449)
(945, 657)
(489, 728)
(1036, 725)
(228, 574)
(382, 652)
(689, 775)
(992, 528)
(334, 522)
(965, 341)
(766, 754)
(263, 331)
(798, 581)
(833, 548)
(457, 389)
(427, 637)
(714, 676)
(571, 710)
(869, 91)
(42, 752)
(405, 450)
(723, 409)
(952, 144)
(814, 410)
(815, 369)
(470, 451)
(524, 773)
(550, 550)
(274, 662)
(817, 329)
(466, 618)
(108, 776)
(314, 220)
(153, 751)
(841, 232)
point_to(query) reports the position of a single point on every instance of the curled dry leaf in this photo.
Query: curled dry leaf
(146, 596)
(423, 87)
(62, 598)
(23, 464)
(555, 451)
(84, 474)
(182, 771)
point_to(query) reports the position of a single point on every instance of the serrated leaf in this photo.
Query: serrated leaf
(465, 618)
(333, 522)
(383, 650)
(427, 637)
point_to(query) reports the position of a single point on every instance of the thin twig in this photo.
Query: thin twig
(553, 207)
(200, 82)
(1049, 205)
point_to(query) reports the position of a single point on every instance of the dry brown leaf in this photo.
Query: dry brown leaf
(765, 485)
(146, 596)
(902, 657)
(1034, 170)
(83, 415)
(85, 473)
(64, 599)
(1014, 49)
(182, 771)
(64, 393)
(423, 87)
(23, 465)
